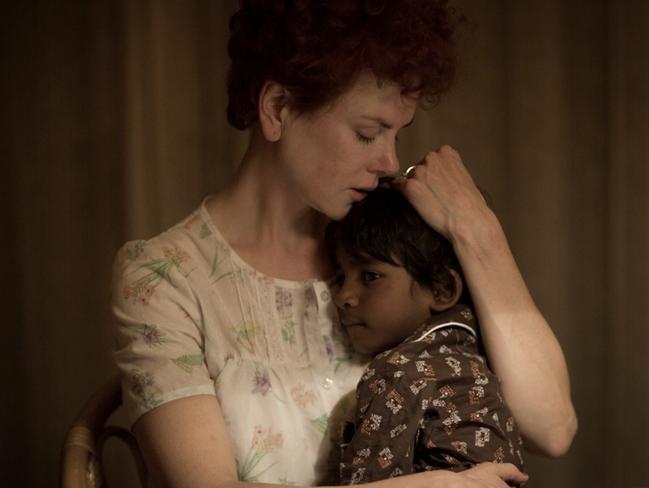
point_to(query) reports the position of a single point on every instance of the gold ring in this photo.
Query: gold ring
(408, 173)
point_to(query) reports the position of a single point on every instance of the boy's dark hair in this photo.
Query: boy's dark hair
(386, 227)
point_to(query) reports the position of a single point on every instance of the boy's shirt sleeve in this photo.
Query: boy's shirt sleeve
(390, 411)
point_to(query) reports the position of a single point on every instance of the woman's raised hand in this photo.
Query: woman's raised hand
(521, 347)
(443, 192)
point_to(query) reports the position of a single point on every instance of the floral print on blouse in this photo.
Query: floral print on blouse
(193, 318)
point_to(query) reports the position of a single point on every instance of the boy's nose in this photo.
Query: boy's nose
(345, 298)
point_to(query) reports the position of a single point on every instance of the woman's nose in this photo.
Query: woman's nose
(385, 161)
(389, 161)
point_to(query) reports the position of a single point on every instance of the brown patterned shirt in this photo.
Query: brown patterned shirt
(429, 403)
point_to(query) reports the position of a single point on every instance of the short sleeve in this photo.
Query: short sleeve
(389, 414)
(159, 337)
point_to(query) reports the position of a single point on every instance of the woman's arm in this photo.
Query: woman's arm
(524, 352)
(186, 444)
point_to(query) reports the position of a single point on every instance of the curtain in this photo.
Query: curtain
(114, 128)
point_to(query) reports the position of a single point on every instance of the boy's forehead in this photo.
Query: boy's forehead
(344, 258)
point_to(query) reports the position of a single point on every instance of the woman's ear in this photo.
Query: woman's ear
(443, 300)
(273, 99)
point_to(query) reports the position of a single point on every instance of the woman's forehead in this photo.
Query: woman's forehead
(367, 86)
(384, 102)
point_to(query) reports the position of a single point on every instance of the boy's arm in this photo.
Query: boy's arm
(387, 421)
(467, 422)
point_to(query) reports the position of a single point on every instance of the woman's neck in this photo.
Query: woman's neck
(259, 216)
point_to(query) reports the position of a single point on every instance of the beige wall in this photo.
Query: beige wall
(114, 128)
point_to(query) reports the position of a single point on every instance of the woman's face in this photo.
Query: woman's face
(333, 157)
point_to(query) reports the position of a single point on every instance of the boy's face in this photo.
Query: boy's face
(380, 304)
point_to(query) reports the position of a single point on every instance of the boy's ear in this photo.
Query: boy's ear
(441, 301)
(273, 99)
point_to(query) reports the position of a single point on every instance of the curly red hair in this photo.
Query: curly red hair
(317, 49)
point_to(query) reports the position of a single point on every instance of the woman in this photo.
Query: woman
(227, 336)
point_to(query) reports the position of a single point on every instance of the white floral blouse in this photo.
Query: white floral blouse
(193, 318)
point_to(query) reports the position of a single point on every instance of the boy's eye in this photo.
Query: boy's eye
(369, 276)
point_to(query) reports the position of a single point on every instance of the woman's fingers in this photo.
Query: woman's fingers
(484, 475)
(410, 171)
(442, 190)
(495, 475)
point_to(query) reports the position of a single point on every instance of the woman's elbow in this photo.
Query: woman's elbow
(559, 439)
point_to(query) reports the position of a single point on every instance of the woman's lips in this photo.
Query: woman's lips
(361, 192)
(358, 194)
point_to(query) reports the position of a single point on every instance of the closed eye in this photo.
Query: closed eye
(365, 139)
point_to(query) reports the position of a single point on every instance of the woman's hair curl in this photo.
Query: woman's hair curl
(317, 48)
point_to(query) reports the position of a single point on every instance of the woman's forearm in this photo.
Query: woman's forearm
(522, 348)
(494, 475)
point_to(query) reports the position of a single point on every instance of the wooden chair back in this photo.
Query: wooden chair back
(81, 456)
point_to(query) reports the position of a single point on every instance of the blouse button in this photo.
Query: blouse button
(327, 383)
(325, 296)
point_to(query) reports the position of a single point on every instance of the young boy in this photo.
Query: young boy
(428, 399)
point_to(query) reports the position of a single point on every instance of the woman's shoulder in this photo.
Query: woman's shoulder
(193, 240)
(185, 257)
